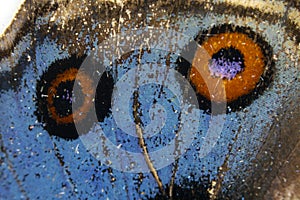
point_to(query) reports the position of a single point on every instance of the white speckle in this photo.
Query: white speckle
(76, 149)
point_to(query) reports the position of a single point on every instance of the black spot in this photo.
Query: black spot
(103, 96)
(196, 190)
(231, 54)
(63, 100)
(67, 130)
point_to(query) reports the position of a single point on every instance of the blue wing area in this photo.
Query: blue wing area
(9, 184)
(30, 154)
(37, 165)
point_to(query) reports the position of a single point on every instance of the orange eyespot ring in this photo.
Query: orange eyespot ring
(87, 90)
(56, 97)
(230, 64)
(245, 81)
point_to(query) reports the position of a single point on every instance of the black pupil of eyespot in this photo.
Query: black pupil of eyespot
(231, 54)
(227, 63)
(64, 98)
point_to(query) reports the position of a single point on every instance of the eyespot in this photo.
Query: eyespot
(239, 59)
(55, 97)
(61, 82)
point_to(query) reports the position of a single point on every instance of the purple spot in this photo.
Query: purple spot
(226, 63)
(225, 68)
(68, 96)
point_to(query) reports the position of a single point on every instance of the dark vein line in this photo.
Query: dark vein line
(11, 168)
(175, 168)
(223, 169)
(143, 144)
(60, 158)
